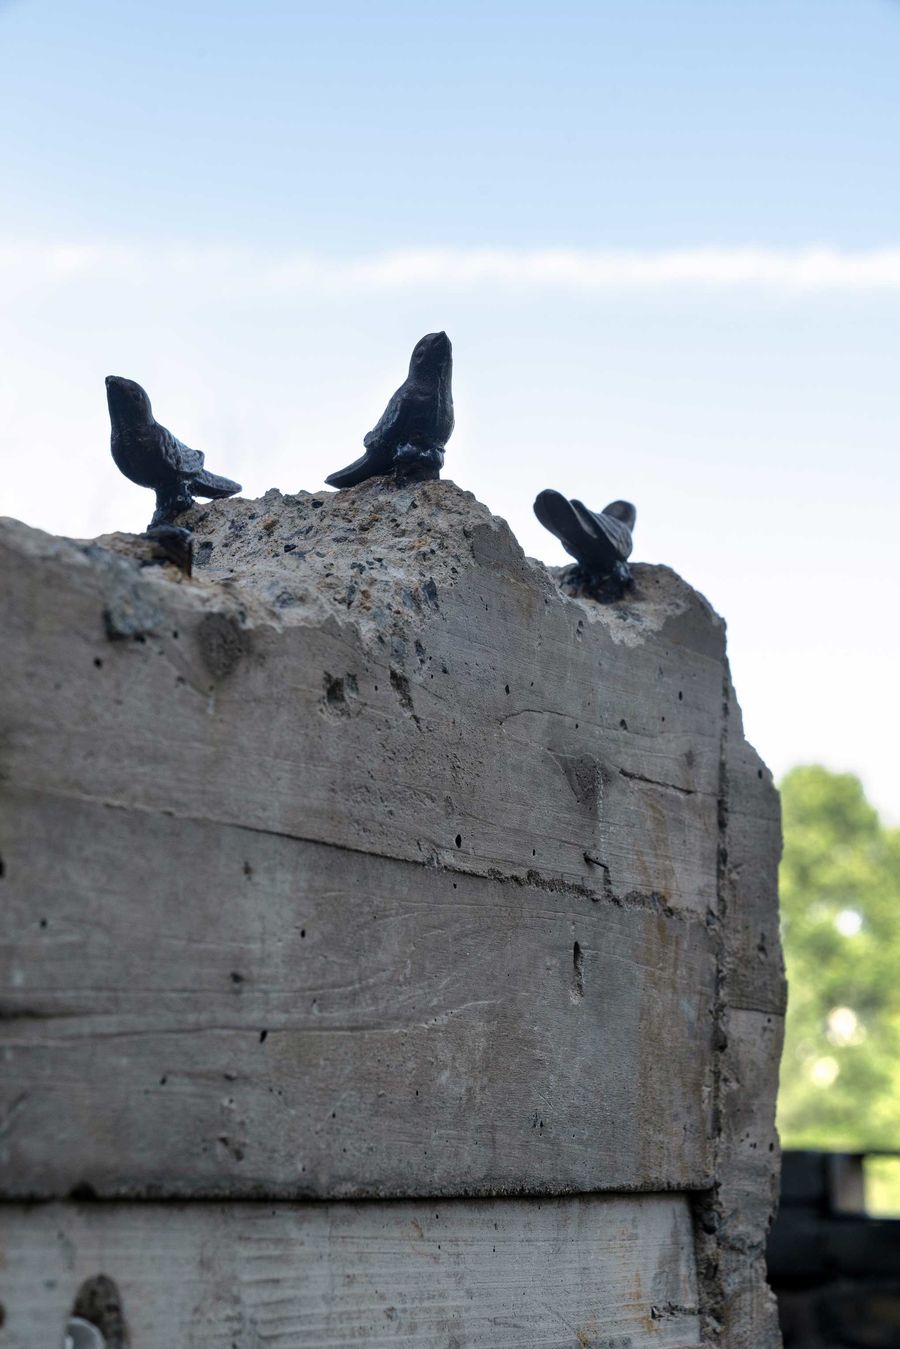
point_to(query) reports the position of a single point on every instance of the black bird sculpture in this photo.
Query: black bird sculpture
(152, 457)
(599, 542)
(416, 424)
(171, 543)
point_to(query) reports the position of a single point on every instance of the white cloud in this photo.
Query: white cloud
(800, 270)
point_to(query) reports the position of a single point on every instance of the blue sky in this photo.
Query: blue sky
(665, 239)
(358, 126)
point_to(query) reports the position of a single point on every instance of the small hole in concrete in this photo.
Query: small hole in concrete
(98, 662)
(459, 840)
(623, 725)
(302, 933)
(334, 690)
(83, 1192)
(262, 1036)
(680, 696)
(577, 971)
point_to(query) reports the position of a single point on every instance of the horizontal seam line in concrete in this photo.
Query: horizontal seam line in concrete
(533, 879)
(285, 1195)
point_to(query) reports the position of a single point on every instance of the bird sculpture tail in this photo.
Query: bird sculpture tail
(358, 471)
(597, 541)
(205, 484)
(556, 514)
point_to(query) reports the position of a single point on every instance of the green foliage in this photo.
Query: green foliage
(840, 899)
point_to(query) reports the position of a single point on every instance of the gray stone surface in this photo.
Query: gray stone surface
(208, 1010)
(365, 809)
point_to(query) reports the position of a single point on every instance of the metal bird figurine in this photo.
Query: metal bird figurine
(171, 543)
(599, 542)
(152, 457)
(416, 424)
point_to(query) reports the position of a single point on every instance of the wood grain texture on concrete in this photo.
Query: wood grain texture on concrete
(402, 682)
(367, 864)
(595, 1272)
(195, 1009)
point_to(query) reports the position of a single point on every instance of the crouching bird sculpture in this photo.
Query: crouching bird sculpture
(152, 457)
(409, 439)
(600, 542)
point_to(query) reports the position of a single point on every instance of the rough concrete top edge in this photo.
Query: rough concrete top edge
(295, 559)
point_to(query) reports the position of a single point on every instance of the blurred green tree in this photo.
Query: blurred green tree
(840, 899)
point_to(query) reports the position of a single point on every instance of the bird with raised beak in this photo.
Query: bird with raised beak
(415, 426)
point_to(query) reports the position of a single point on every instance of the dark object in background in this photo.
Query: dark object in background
(152, 457)
(600, 543)
(97, 1321)
(834, 1269)
(415, 425)
(172, 543)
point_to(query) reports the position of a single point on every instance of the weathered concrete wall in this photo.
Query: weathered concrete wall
(366, 864)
